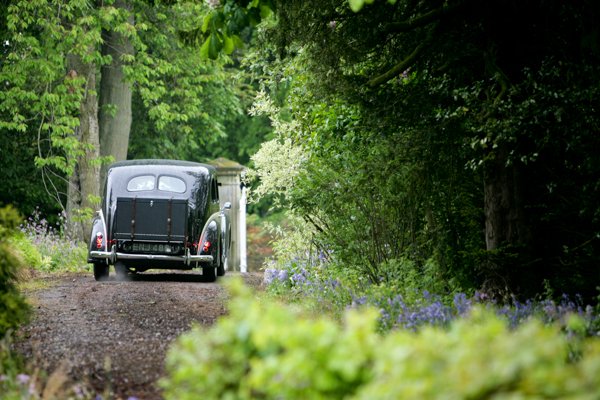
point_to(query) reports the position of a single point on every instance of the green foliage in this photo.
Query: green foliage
(362, 192)
(31, 254)
(23, 184)
(185, 106)
(181, 100)
(268, 350)
(479, 357)
(10, 365)
(224, 25)
(13, 309)
(39, 95)
(399, 140)
(265, 350)
(48, 247)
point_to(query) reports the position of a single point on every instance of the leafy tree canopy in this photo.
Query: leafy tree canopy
(180, 99)
(468, 126)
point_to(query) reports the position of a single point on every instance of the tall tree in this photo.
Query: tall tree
(83, 188)
(115, 93)
(59, 54)
(49, 74)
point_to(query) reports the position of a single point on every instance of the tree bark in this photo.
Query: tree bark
(84, 184)
(507, 233)
(115, 98)
(505, 223)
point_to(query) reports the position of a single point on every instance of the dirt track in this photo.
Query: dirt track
(112, 336)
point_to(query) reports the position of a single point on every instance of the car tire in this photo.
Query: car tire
(221, 269)
(210, 273)
(222, 266)
(100, 271)
(121, 271)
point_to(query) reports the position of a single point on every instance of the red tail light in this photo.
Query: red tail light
(206, 246)
(99, 240)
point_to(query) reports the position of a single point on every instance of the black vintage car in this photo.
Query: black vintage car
(160, 214)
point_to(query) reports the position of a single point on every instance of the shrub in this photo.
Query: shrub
(272, 351)
(264, 350)
(312, 283)
(13, 308)
(17, 383)
(49, 248)
(480, 357)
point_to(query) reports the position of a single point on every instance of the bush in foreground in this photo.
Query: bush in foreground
(13, 308)
(272, 351)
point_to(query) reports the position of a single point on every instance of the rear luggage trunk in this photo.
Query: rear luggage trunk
(151, 220)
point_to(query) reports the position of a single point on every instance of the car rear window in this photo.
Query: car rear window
(171, 184)
(139, 183)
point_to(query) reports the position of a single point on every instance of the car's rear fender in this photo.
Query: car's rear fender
(98, 236)
(208, 243)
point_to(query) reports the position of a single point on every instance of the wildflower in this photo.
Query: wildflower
(461, 303)
(270, 275)
(23, 379)
(283, 275)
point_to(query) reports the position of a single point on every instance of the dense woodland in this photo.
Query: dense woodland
(453, 143)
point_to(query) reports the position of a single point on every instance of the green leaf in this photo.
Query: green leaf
(214, 47)
(237, 41)
(205, 22)
(204, 48)
(356, 5)
(228, 45)
(265, 11)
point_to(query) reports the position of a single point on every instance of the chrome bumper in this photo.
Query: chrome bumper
(113, 256)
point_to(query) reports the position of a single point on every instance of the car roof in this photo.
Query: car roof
(161, 162)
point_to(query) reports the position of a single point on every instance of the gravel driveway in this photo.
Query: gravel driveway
(113, 335)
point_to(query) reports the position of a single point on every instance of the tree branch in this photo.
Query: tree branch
(424, 19)
(405, 26)
(402, 65)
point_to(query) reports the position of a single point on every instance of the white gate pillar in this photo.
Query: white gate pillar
(229, 176)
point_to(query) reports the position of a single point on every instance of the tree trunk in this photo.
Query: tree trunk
(507, 233)
(115, 98)
(84, 187)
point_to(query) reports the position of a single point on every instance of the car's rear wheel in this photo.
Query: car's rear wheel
(221, 269)
(100, 271)
(223, 265)
(210, 273)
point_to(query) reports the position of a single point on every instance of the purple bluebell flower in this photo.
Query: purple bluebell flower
(270, 275)
(283, 275)
(461, 303)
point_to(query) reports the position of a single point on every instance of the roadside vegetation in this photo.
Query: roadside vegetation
(28, 247)
(49, 247)
(265, 349)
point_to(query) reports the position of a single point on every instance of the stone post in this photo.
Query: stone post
(229, 174)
